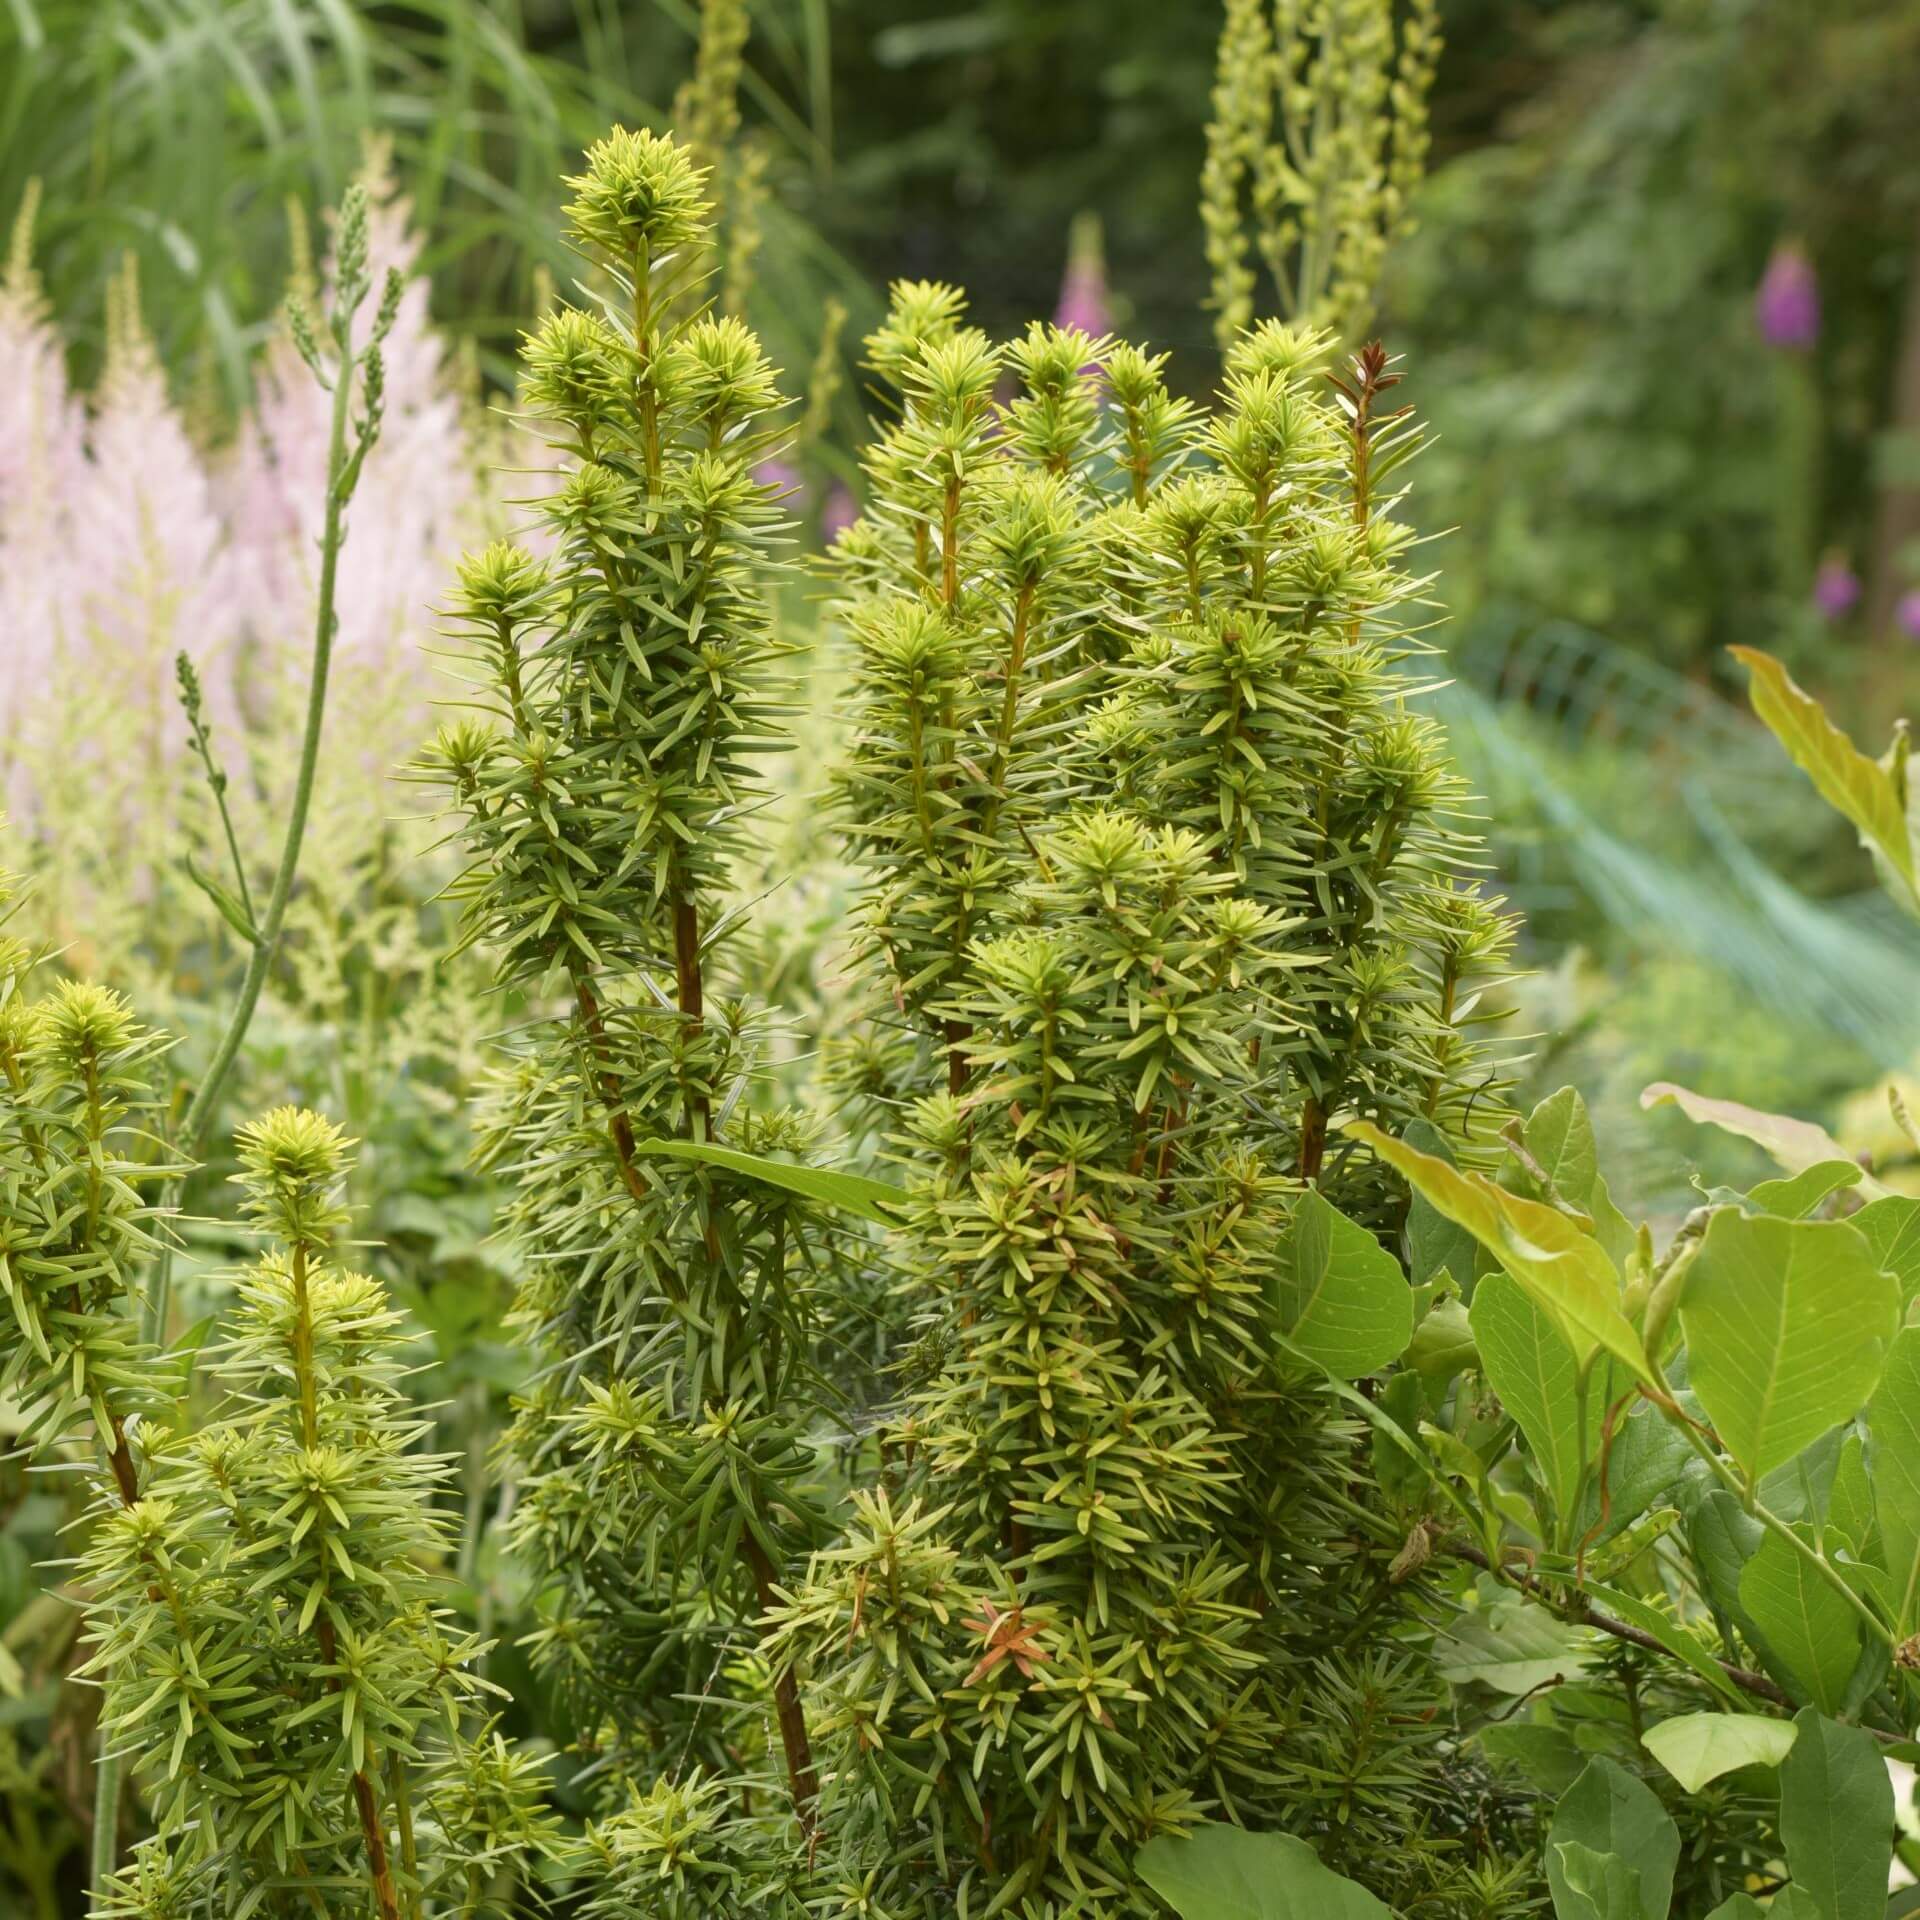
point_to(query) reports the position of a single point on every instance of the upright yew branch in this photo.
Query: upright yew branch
(623, 697)
(1140, 792)
(350, 371)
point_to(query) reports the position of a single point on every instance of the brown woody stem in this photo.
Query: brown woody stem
(384, 1894)
(1313, 1137)
(1577, 1609)
(801, 1777)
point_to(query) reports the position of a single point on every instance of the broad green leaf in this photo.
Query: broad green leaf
(1794, 1144)
(1723, 1537)
(1643, 1466)
(1532, 1369)
(1893, 1425)
(1628, 1545)
(1861, 790)
(1545, 1755)
(1836, 1818)
(1559, 1139)
(1226, 1873)
(1511, 1646)
(1740, 1906)
(1452, 1454)
(1810, 1635)
(1399, 1469)
(1787, 1325)
(1698, 1747)
(849, 1192)
(1849, 1515)
(1795, 1903)
(1892, 1227)
(1800, 1193)
(1442, 1346)
(1340, 1296)
(1564, 1269)
(1558, 1134)
(1593, 1886)
(1801, 1489)
(1610, 1812)
(1435, 1244)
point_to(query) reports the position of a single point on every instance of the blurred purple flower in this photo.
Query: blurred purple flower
(784, 478)
(1786, 306)
(1836, 589)
(1083, 289)
(840, 512)
(1906, 613)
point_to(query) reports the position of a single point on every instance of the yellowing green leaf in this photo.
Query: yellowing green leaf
(1563, 1269)
(1860, 789)
(1794, 1144)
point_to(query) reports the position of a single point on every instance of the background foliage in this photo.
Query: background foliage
(1625, 476)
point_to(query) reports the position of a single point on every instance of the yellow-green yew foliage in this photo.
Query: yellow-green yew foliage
(269, 1629)
(266, 1621)
(1164, 876)
(665, 1454)
(1163, 880)
(80, 1174)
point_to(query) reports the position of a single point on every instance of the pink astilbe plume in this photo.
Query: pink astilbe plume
(412, 512)
(138, 572)
(124, 541)
(156, 576)
(42, 453)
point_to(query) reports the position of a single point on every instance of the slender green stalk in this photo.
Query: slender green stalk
(343, 470)
(216, 778)
(106, 1820)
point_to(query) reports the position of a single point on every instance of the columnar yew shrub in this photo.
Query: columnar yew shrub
(1163, 879)
(81, 1216)
(664, 1453)
(1096, 595)
(270, 1633)
(267, 1626)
